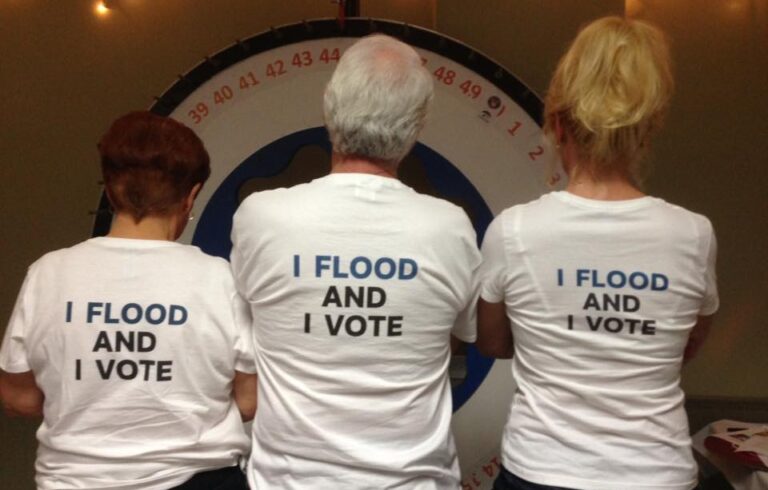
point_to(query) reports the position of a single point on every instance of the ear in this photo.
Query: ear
(189, 201)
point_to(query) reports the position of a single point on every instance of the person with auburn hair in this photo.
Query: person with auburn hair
(600, 292)
(129, 345)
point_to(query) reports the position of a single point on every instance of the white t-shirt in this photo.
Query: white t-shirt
(602, 296)
(135, 344)
(355, 283)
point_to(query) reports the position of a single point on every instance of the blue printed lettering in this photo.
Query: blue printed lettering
(93, 310)
(617, 279)
(380, 270)
(354, 268)
(178, 315)
(659, 282)
(108, 318)
(408, 269)
(638, 280)
(131, 313)
(363, 267)
(159, 318)
(595, 281)
(337, 273)
(581, 276)
(321, 264)
(296, 266)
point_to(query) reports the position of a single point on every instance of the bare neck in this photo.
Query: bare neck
(149, 228)
(343, 164)
(614, 186)
(608, 188)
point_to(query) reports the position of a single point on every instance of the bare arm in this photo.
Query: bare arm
(20, 395)
(494, 335)
(696, 339)
(456, 344)
(245, 392)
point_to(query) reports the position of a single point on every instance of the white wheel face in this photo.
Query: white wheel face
(482, 148)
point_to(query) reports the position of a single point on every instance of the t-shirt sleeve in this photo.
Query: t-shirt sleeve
(13, 353)
(711, 300)
(465, 326)
(235, 260)
(244, 345)
(494, 268)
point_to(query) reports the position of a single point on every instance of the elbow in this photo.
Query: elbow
(247, 411)
(246, 404)
(24, 410)
(246, 395)
(26, 405)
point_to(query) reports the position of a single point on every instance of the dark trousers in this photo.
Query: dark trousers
(222, 479)
(510, 481)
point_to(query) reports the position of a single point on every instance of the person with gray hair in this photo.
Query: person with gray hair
(377, 101)
(357, 283)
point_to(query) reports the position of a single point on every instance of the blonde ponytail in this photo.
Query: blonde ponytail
(610, 92)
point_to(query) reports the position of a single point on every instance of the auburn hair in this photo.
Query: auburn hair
(150, 164)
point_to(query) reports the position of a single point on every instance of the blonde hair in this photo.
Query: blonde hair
(610, 92)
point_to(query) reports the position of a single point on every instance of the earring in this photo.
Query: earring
(191, 216)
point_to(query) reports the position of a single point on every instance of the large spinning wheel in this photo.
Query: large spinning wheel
(257, 106)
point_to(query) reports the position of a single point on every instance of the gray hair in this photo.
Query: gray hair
(377, 100)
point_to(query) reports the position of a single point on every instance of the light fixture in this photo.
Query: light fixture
(103, 7)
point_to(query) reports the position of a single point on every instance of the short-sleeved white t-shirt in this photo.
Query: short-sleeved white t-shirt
(602, 296)
(135, 344)
(356, 283)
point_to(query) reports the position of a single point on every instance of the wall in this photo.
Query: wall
(66, 74)
(526, 36)
(713, 158)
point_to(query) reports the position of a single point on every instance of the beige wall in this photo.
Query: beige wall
(713, 158)
(64, 74)
(526, 36)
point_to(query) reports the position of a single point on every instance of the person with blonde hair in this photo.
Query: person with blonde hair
(599, 292)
